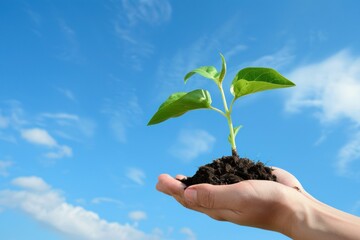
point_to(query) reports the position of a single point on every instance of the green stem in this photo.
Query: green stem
(218, 110)
(228, 117)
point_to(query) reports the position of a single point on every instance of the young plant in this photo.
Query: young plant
(247, 81)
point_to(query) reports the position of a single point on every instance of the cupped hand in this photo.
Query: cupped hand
(256, 203)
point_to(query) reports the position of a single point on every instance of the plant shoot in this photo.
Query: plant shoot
(247, 81)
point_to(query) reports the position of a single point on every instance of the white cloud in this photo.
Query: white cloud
(331, 88)
(31, 183)
(50, 207)
(191, 143)
(190, 235)
(4, 166)
(136, 175)
(61, 116)
(38, 136)
(137, 216)
(100, 200)
(60, 152)
(42, 137)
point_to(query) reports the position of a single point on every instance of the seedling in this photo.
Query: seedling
(247, 81)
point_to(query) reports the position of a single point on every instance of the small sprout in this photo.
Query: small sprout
(247, 81)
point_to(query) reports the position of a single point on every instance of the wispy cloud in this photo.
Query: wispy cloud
(191, 143)
(67, 93)
(34, 16)
(317, 36)
(100, 200)
(153, 12)
(47, 205)
(36, 20)
(61, 151)
(171, 70)
(136, 175)
(15, 123)
(190, 235)
(4, 167)
(69, 123)
(32, 183)
(11, 120)
(234, 51)
(331, 87)
(13, 115)
(131, 16)
(203, 50)
(123, 110)
(71, 49)
(4, 122)
(123, 118)
(278, 59)
(349, 153)
(7, 138)
(40, 136)
(137, 216)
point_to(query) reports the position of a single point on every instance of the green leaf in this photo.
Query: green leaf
(223, 69)
(206, 71)
(236, 130)
(179, 103)
(255, 79)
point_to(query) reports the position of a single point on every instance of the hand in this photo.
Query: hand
(282, 206)
(254, 203)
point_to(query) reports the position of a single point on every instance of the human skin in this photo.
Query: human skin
(282, 206)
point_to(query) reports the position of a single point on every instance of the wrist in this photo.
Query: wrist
(314, 220)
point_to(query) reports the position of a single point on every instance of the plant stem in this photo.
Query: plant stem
(228, 117)
(218, 110)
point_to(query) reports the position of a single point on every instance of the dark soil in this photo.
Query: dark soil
(229, 170)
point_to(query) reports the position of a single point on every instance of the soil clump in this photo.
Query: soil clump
(229, 170)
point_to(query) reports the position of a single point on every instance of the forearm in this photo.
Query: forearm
(319, 221)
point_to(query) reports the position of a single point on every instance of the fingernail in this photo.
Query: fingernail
(190, 195)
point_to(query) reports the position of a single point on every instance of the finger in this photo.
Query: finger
(219, 197)
(169, 185)
(217, 214)
(180, 177)
(290, 180)
(287, 178)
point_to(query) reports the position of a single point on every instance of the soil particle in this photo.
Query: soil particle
(229, 170)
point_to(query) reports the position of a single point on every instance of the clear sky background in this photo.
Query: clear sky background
(79, 81)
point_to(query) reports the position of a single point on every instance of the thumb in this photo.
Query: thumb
(209, 196)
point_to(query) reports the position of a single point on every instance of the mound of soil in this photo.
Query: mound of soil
(229, 170)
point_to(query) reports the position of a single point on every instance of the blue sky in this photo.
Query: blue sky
(79, 81)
